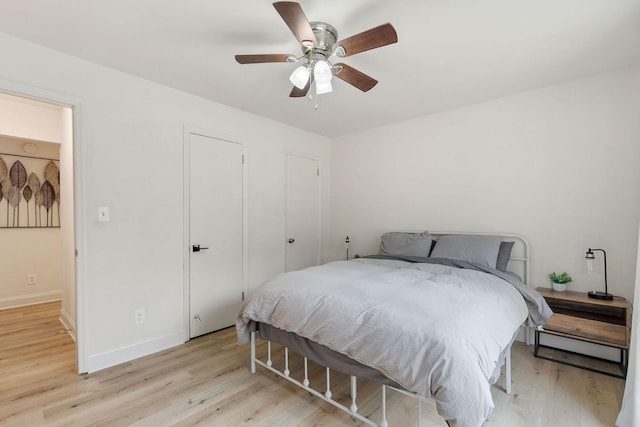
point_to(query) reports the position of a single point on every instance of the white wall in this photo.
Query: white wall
(26, 118)
(559, 165)
(29, 251)
(130, 141)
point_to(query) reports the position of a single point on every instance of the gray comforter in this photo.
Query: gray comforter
(437, 330)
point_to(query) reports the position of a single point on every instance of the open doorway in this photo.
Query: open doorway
(37, 220)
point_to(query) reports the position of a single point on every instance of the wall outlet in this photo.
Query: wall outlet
(139, 316)
(32, 279)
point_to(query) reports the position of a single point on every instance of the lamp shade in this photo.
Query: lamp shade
(593, 264)
(300, 76)
(322, 73)
(323, 87)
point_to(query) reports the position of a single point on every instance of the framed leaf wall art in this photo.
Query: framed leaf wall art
(29, 192)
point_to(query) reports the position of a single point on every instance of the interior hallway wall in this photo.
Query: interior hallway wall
(26, 251)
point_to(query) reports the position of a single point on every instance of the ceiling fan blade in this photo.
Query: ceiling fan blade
(379, 36)
(258, 59)
(293, 15)
(300, 93)
(355, 77)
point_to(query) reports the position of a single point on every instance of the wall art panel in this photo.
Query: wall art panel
(29, 192)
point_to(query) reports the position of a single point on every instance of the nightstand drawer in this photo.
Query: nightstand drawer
(592, 330)
(602, 313)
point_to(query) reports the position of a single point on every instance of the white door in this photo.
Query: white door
(303, 213)
(215, 233)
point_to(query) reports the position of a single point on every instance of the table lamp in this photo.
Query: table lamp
(590, 257)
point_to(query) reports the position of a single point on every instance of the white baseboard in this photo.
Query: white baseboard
(68, 323)
(31, 299)
(107, 359)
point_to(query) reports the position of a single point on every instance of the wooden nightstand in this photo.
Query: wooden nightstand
(579, 317)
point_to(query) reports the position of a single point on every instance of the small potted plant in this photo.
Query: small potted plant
(560, 281)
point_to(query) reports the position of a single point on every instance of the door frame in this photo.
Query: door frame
(79, 197)
(188, 131)
(285, 210)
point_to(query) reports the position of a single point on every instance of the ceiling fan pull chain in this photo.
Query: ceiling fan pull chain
(316, 92)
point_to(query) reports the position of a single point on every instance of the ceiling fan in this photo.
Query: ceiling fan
(319, 44)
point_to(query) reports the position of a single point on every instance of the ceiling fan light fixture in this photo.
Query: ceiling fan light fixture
(323, 88)
(322, 73)
(300, 76)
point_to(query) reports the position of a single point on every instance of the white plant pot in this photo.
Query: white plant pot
(559, 287)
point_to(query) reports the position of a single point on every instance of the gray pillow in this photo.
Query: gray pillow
(410, 244)
(504, 253)
(481, 250)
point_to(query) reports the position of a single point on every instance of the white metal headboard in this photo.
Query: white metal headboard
(519, 260)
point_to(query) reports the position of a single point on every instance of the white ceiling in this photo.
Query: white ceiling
(449, 53)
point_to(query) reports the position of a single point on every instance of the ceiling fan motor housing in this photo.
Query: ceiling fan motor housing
(326, 36)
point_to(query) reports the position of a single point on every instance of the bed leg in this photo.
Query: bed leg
(286, 371)
(269, 362)
(253, 352)
(354, 395)
(384, 407)
(327, 393)
(306, 374)
(507, 371)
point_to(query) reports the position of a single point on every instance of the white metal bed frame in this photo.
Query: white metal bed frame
(519, 257)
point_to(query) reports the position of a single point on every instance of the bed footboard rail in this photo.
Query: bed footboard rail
(353, 409)
(327, 395)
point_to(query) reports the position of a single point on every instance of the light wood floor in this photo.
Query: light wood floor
(207, 382)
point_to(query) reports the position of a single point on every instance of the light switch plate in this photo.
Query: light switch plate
(103, 214)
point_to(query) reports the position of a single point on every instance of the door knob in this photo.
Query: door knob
(291, 240)
(197, 248)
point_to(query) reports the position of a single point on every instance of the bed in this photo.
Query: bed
(445, 306)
